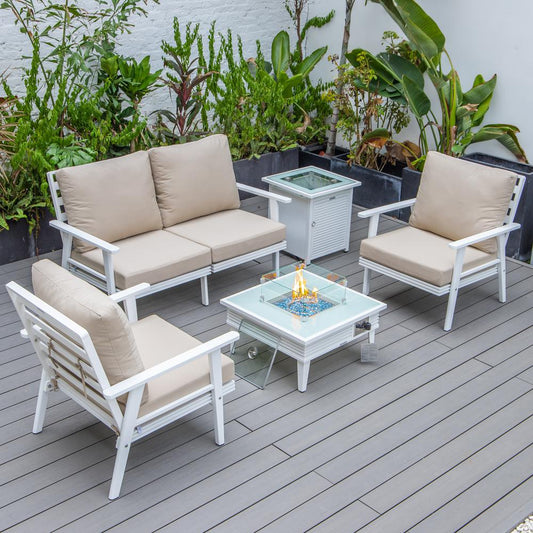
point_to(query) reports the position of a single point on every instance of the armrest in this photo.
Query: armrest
(386, 208)
(134, 291)
(179, 360)
(129, 297)
(273, 199)
(483, 236)
(373, 214)
(265, 194)
(83, 235)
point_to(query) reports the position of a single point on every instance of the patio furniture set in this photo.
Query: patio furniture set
(152, 220)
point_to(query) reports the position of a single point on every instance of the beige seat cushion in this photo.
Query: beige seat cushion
(459, 198)
(111, 199)
(194, 179)
(420, 254)
(231, 233)
(150, 257)
(158, 341)
(104, 320)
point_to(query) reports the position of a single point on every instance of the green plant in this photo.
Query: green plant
(125, 83)
(66, 43)
(295, 9)
(332, 131)
(184, 78)
(461, 112)
(264, 105)
(367, 120)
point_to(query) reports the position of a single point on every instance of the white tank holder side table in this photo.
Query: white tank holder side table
(319, 216)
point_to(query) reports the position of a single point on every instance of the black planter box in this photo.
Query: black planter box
(410, 184)
(314, 155)
(18, 243)
(377, 187)
(250, 171)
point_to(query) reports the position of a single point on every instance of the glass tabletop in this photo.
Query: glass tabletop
(330, 304)
(310, 181)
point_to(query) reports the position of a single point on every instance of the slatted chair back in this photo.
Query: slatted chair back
(515, 200)
(67, 354)
(57, 199)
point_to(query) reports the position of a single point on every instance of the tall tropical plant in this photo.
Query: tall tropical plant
(461, 112)
(185, 76)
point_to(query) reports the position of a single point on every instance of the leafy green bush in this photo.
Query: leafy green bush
(60, 118)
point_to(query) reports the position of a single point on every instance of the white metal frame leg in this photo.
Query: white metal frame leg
(275, 262)
(124, 441)
(42, 402)
(367, 273)
(205, 290)
(454, 288)
(215, 365)
(502, 270)
(303, 375)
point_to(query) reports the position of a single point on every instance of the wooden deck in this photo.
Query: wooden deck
(435, 437)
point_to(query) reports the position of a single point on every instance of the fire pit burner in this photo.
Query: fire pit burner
(302, 307)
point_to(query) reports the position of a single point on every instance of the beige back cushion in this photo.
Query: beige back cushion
(103, 319)
(111, 199)
(194, 179)
(459, 198)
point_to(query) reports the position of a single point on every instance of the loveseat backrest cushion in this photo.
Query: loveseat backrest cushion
(103, 319)
(112, 199)
(458, 198)
(194, 179)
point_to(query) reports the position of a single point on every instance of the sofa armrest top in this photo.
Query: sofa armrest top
(367, 213)
(265, 194)
(83, 235)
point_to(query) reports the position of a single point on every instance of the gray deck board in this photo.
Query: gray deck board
(435, 436)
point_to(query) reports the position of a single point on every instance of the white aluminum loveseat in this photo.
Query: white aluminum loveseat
(164, 216)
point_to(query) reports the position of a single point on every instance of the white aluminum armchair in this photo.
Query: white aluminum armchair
(406, 254)
(72, 365)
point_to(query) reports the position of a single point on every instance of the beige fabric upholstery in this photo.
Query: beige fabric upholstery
(231, 233)
(151, 257)
(194, 179)
(111, 199)
(158, 341)
(420, 254)
(104, 320)
(459, 198)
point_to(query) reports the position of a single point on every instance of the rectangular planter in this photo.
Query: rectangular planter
(314, 155)
(18, 243)
(250, 171)
(377, 188)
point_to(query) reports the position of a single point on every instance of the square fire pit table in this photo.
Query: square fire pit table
(328, 316)
(319, 216)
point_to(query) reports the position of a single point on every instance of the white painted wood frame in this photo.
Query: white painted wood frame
(70, 364)
(460, 278)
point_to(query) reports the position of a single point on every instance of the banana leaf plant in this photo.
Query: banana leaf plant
(461, 112)
(282, 64)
